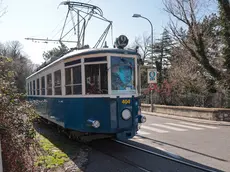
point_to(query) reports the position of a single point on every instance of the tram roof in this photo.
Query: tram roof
(84, 52)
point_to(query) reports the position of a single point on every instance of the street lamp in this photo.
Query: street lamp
(140, 16)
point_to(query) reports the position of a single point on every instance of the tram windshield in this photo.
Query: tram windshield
(123, 75)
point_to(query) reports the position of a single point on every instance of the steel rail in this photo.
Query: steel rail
(164, 156)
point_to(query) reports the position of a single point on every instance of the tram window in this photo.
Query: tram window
(57, 83)
(43, 85)
(123, 75)
(68, 81)
(77, 80)
(73, 62)
(30, 88)
(94, 59)
(77, 75)
(96, 79)
(38, 87)
(49, 84)
(68, 76)
(34, 91)
(73, 80)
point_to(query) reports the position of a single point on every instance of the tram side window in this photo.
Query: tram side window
(96, 77)
(43, 85)
(73, 80)
(77, 80)
(38, 87)
(49, 84)
(30, 88)
(57, 83)
(34, 91)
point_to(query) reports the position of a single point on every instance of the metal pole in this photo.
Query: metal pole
(151, 57)
(78, 30)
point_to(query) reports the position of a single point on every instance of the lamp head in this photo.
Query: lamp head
(136, 15)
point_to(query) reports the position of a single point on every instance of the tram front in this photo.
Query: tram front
(125, 106)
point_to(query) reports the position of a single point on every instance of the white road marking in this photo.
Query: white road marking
(199, 125)
(142, 132)
(169, 127)
(169, 153)
(154, 129)
(160, 148)
(185, 126)
(136, 138)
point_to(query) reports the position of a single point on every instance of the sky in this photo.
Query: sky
(44, 18)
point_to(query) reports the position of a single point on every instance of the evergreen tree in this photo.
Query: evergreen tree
(162, 54)
(224, 11)
(55, 53)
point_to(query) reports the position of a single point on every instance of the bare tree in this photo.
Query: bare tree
(194, 37)
(144, 47)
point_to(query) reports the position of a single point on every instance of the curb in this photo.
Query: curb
(202, 121)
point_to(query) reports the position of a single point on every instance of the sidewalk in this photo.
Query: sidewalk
(202, 121)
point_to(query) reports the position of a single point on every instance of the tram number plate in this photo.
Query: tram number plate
(126, 101)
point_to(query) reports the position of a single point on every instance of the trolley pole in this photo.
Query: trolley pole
(140, 16)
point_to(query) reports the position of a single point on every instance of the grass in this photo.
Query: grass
(51, 156)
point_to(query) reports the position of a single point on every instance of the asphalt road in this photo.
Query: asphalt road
(202, 143)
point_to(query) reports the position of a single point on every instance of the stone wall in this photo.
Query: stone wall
(217, 114)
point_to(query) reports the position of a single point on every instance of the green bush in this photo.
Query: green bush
(16, 127)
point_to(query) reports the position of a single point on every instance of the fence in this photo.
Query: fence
(216, 100)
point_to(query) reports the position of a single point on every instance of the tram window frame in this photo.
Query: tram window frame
(43, 85)
(49, 84)
(34, 85)
(73, 81)
(38, 86)
(57, 82)
(100, 71)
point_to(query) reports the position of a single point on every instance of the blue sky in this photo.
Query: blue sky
(27, 18)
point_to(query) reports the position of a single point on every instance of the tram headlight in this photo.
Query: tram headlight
(126, 114)
(143, 119)
(93, 123)
(96, 124)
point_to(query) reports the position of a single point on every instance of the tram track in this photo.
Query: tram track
(116, 149)
(164, 156)
(126, 161)
(146, 160)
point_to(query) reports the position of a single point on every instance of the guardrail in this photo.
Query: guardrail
(217, 114)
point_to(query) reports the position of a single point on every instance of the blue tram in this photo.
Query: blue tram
(90, 93)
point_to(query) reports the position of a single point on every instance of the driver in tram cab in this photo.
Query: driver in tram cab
(117, 83)
(91, 86)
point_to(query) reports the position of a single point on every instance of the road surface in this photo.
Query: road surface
(206, 144)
